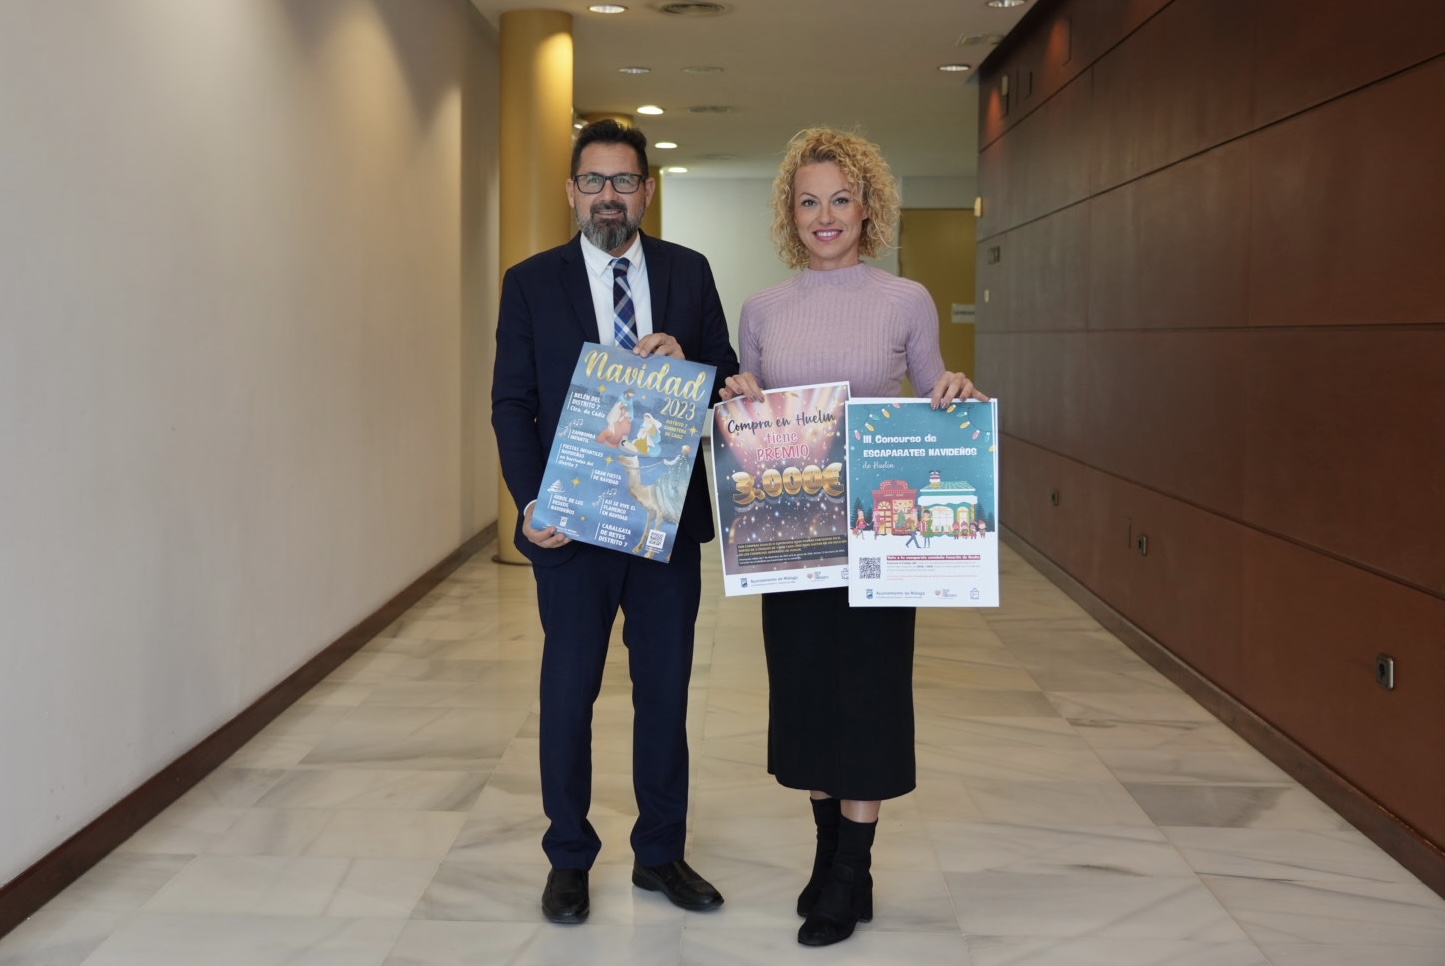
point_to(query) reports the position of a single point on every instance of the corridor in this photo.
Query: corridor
(1073, 807)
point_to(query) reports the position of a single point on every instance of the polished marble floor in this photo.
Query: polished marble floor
(1073, 808)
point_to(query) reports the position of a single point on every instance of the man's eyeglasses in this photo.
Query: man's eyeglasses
(592, 183)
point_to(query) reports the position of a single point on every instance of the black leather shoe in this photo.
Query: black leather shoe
(682, 886)
(565, 898)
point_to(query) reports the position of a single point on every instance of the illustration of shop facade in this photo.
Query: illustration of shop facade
(939, 509)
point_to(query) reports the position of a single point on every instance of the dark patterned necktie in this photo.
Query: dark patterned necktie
(624, 325)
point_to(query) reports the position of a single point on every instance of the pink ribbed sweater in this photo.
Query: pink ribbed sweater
(858, 324)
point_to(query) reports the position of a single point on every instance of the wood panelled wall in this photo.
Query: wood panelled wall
(1211, 298)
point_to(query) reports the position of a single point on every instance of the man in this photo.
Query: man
(614, 285)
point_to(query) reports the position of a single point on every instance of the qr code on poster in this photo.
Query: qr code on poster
(870, 568)
(656, 538)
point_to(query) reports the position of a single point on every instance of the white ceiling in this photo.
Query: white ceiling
(787, 65)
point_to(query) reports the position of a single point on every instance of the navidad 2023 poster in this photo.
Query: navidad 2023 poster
(622, 458)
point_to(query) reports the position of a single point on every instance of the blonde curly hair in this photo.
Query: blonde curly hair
(867, 173)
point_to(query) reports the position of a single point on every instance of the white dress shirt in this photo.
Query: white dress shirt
(599, 275)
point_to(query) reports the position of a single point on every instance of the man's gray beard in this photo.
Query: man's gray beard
(610, 235)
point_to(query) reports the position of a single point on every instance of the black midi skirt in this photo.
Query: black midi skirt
(840, 699)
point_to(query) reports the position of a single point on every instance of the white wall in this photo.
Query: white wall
(728, 220)
(246, 295)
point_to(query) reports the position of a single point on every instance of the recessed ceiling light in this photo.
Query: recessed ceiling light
(675, 169)
(666, 145)
(634, 70)
(649, 109)
(953, 68)
(1005, 3)
(607, 8)
(700, 69)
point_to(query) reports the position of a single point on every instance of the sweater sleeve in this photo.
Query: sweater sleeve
(925, 359)
(750, 343)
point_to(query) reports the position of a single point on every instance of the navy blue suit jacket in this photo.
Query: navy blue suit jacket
(546, 315)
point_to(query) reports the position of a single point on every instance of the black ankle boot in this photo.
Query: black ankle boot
(826, 813)
(847, 896)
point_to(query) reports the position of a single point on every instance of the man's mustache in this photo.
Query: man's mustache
(609, 206)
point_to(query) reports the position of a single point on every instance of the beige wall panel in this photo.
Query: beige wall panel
(936, 248)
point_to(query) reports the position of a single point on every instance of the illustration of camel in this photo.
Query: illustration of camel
(662, 499)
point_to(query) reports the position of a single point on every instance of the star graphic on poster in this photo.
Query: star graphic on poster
(576, 481)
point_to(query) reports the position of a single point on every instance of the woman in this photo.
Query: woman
(841, 681)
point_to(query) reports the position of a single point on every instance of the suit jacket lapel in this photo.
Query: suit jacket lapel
(659, 276)
(579, 289)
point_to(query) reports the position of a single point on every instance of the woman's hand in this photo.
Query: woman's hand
(743, 384)
(548, 539)
(951, 387)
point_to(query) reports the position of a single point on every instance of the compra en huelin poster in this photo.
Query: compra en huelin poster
(780, 490)
(620, 463)
(923, 495)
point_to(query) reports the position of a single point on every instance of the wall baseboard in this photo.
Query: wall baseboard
(1401, 842)
(23, 896)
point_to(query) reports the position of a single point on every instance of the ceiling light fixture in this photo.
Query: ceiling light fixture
(649, 109)
(634, 70)
(607, 8)
(666, 145)
(675, 169)
(1005, 3)
(953, 68)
